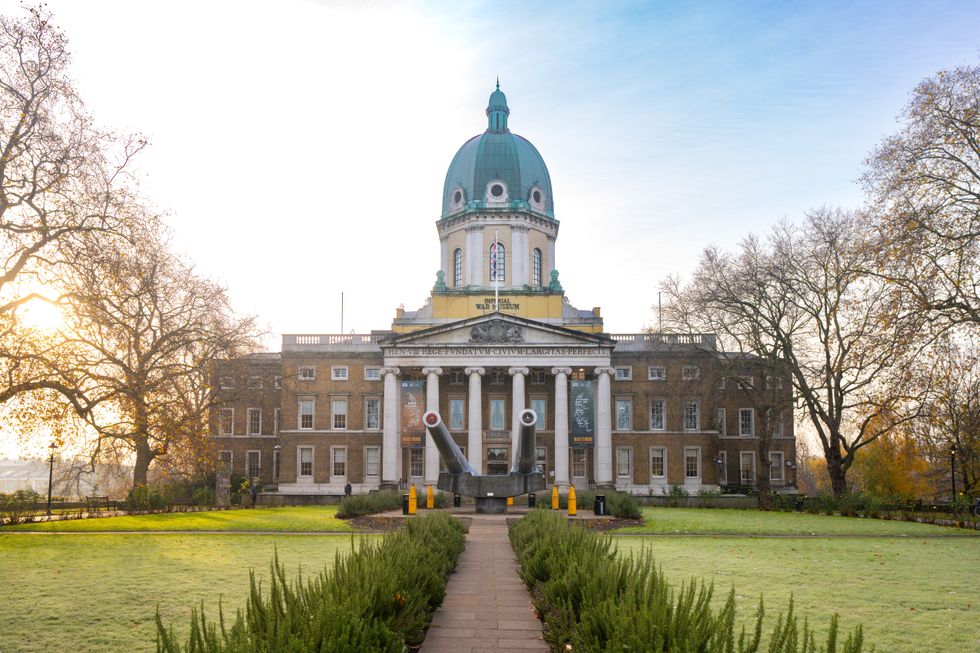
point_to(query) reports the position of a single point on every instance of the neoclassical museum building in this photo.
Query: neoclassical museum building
(641, 412)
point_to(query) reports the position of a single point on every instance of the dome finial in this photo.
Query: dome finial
(498, 82)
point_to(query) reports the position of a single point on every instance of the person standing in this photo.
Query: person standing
(254, 490)
(347, 489)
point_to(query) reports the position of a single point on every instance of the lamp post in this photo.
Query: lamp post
(52, 447)
(278, 449)
(952, 469)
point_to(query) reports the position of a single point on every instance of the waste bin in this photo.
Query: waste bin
(800, 503)
(456, 500)
(404, 504)
(599, 505)
(532, 500)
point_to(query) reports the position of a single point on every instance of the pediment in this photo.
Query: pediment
(497, 330)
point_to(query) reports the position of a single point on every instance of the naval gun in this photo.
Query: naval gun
(490, 492)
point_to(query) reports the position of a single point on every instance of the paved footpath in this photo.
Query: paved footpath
(487, 607)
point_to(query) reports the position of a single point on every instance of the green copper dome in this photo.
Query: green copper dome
(497, 169)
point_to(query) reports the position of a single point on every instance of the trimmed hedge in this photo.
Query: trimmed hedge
(618, 504)
(380, 598)
(592, 599)
(369, 504)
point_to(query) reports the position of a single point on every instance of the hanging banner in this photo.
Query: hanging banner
(581, 396)
(413, 406)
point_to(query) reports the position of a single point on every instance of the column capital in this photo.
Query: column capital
(523, 371)
(599, 371)
(561, 370)
(391, 370)
(475, 370)
(431, 370)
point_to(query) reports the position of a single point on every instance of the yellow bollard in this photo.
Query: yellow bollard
(572, 508)
(554, 497)
(430, 499)
(413, 500)
(510, 501)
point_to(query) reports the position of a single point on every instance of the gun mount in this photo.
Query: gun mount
(490, 492)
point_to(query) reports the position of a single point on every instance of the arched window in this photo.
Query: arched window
(457, 268)
(536, 267)
(497, 262)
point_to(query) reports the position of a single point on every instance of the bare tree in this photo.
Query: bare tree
(924, 184)
(802, 301)
(62, 181)
(143, 334)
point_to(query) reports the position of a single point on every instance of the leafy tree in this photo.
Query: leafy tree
(924, 187)
(893, 466)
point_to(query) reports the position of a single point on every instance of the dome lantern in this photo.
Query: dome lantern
(497, 111)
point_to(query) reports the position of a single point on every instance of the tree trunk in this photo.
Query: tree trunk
(838, 477)
(144, 456)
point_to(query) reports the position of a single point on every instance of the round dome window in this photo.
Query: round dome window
(537, 196)
(496, 190)
(458, 197)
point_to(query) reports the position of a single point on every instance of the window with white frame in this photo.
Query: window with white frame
(305, 408)
(253, 464)
(541, 460)
(372, 462)
(690, 373)
(338, 461)
(720, 423)
(774, 382)
(276, 421)
(226, 382)
(498, 461)
(624, 414)
(225, 458)
(776, 466)
(456, 377)
(372, 373)
(540, 407)
(537, 377)
(721, 382)
(338, 373)
(657, 373)
(338, 414)
(497, 415)
(255, 421)
(692, 415)
(457, 413)
(497, 377)
(457, 268)
(746, 382)
(692, 463)
(624, 463)
(416, 461)
(777, 423)
(624, 373)
(658, 463)
(372, 413)
(277, 382)
(498, 260)
(723, 468)
(226, 421)
(746, 421)
(578, 463)
(255, 383)
(305, 461)
(746, 467)
(306, 373)
(536, 267)
(658, 415)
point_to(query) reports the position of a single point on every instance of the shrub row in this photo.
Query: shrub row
(368, 504)
(618, 504)
(20, 506)
(379, 598)
(594, 600)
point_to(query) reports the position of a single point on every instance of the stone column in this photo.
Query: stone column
(561, 425)
(603, 445)
(431, 403)
(474, 425)
(516, 406)
(550, 263)
(519, 257)
(474, 254)
(390, 450)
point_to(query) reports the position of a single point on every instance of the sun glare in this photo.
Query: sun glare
(42, 315)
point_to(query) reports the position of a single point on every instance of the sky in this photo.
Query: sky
(298, 148)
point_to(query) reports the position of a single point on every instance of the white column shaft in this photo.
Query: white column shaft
(474, 441)
(390, 468)
(603, 445)
(431, 403)
(561, 425)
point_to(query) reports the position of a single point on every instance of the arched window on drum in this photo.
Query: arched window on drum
(536, 267)
(498, 257)
(458, 268)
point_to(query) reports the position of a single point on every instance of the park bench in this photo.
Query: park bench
(96, 504)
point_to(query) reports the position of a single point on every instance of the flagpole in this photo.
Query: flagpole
(496, 277)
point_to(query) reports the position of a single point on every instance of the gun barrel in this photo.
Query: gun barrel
(526, 445)
(456, 463)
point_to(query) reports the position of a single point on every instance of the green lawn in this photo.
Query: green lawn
(911, 594)
(711, 520)
(304, 519)
(86, 592)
